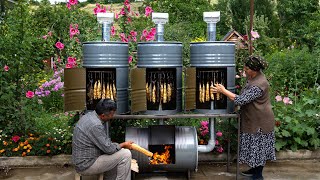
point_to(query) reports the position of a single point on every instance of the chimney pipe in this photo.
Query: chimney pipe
(106, 19)
(211, 18)
(160, 19)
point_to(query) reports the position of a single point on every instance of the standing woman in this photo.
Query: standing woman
(257, 139)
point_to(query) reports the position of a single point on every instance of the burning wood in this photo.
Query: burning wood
(141, 149)
(164, 158)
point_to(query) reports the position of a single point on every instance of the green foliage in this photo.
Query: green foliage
(297, 125)
(293, 71)
(299, 22)
(235, 12)
(27, 37)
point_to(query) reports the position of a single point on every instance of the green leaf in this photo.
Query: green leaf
(287, 119)
(285, 133)
(297, 139)
(310, 130)
(294, 147)
(279, 144)
(310, 113)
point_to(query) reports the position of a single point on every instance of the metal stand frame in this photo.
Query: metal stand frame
(177, 116)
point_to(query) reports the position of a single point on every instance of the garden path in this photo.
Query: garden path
(279, 170)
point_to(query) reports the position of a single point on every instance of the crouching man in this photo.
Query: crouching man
(93, 152)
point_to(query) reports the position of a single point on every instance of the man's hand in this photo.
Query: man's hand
(126, 145)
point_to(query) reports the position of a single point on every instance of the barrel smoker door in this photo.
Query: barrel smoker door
(190, 92)
(74, 89)
(138, 87)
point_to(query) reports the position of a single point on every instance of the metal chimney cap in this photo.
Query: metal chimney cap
(160, 18)
(211, 17)
(105, 18)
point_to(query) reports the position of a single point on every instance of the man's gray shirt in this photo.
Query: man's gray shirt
(90, 141)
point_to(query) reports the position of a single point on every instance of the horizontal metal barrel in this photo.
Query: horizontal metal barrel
(159, 54)
(212, 54)
(105, 54)
(185, 143)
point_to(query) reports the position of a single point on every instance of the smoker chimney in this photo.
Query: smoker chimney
(211, 18)
(106, 19)
(160, 19)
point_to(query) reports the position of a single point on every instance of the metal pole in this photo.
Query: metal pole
(251, 25)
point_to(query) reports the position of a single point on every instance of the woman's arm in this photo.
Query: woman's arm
(219, 88)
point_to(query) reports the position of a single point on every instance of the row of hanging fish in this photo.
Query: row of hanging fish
(206, 92)
(153, 95)
(102, 91)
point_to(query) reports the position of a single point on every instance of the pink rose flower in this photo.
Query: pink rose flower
(286, 100)
(69, 6)
(220, 149)
(130, 59)
(59, 45)
(148, 11)
(219, 134)
(113, 30)
(73, 2)
(15, 138)
(204, 123)
(6, 68)
(255, 35)
(29, 94)
(217, 142)
(278, 98)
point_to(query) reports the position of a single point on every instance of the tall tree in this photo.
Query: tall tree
(239, 10)
(296, 17)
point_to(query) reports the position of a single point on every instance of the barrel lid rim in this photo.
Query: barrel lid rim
(104, 42)
(213, 42)
(162, 42)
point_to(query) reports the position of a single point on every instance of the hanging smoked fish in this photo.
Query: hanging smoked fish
(200, 92)
(95, 88)
(161, 92)
(203, 92)
(111, 92)
(99, 90)
(154, 93)
(114, 90)
(107, 91)
(207, 92)
(164, 92)
(169, 92)
(211, 91)
(150, 91)
(147, 91)
(103, 91)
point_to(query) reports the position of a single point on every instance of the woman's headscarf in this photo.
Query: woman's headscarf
(255, 63)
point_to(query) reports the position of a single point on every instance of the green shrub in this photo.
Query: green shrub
(298, 121)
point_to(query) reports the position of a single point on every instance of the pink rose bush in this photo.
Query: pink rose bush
(6, 68)
(126, 32)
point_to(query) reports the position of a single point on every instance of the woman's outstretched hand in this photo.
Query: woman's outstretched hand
(219, 88)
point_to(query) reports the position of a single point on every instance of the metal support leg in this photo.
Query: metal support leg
(228, 155)
(238, 147)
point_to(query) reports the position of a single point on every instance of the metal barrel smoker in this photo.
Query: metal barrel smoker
(105, 73)
(156, 83)
(211, 62)
(181, 142)
(157, 90)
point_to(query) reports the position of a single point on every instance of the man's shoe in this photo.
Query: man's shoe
(248, 173)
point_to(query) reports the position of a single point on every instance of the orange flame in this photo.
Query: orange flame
(163, 158)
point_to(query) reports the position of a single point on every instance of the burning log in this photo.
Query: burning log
(141, 149)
